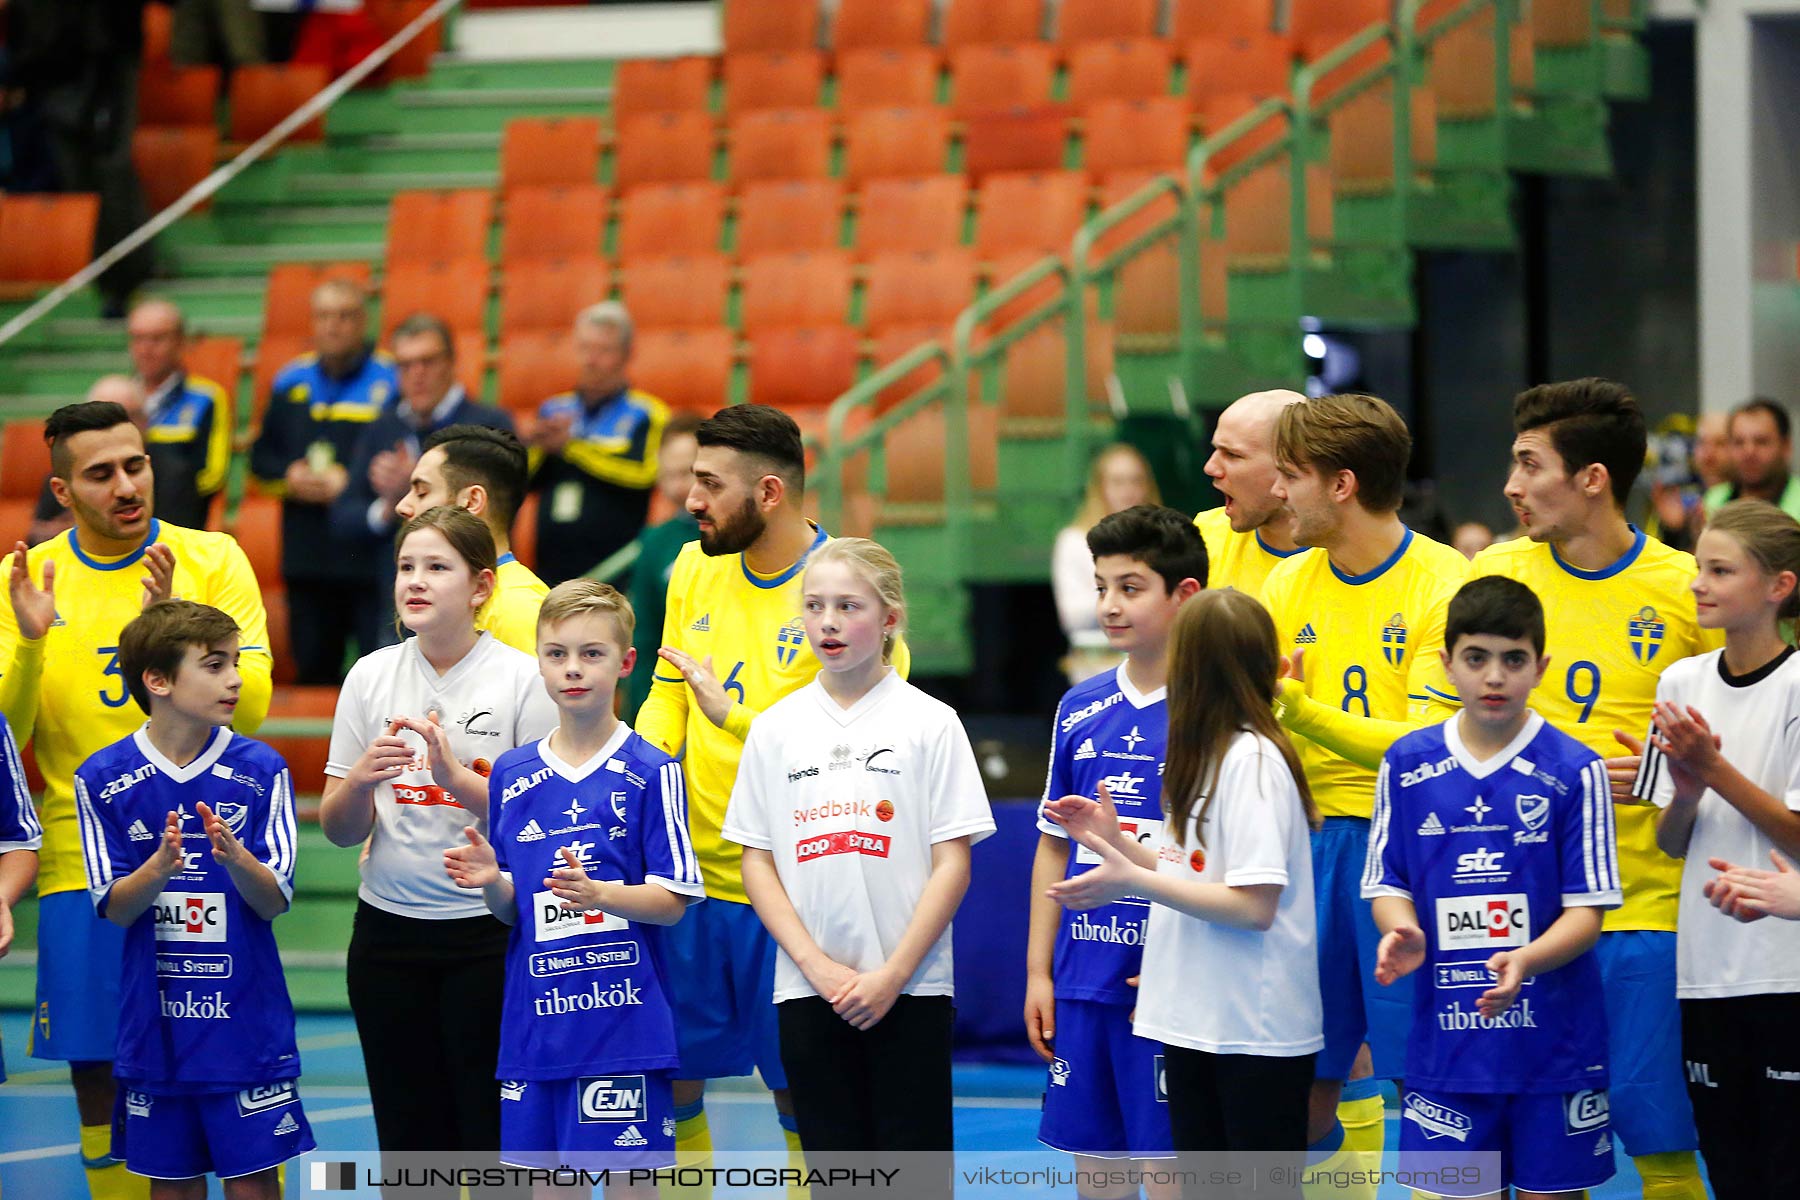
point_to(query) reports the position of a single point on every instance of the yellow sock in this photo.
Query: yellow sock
(796, 1160)
(693, 1148)
(108, 1179)
(1671, 1176)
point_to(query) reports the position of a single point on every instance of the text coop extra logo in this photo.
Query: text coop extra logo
(875, 845)
(333, 1177)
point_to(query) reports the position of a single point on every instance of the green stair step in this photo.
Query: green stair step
(510, 99)
(356, 187)
(491, 75)
(256, 260)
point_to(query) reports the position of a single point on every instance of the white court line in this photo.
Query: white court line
(324, 1041)
(347, 1113)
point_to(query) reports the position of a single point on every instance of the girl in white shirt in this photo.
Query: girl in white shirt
(425, 962)
(1230, 975)
(1735, 797)
(856, 802)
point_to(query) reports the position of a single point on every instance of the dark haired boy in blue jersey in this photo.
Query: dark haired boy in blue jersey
(1491, 858)
(187, 830)
(589, 858)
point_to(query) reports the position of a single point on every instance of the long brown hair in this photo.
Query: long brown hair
(1223, 660)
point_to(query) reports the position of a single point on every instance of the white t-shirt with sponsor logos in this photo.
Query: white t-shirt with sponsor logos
(491, 701)
(1207, 986)
(849, 801)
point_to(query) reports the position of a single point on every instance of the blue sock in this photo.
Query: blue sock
(1326, 1146)
(1360, 1089)
(787, 1122)
(687, 1112)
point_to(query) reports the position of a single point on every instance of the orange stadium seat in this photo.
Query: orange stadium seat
(687, 368)
(258, 531)
(547, 293)
(1318, 25)
(782, 216)
(566, 221)
(773, 79)
(15, 526)
(751, 25)
(967, 22)
(1034, 212)
(1014, 139)
(1087, 20)
(287, 304)
(802, 368)
(173, 158)
(781, 143)
(159, 21)
(1220, 19)
(534, 366)
(1258, 66)
(1122, 69)
(470, 353)
(895, 342)
(544, 151)
(438, 226)
(263, 96)
(45, 239)
(219, 359)
(791, 290)
(686, 291)
(918, 289)
(24, 461)
(888, 142)
(274, 352)
(524, 531)
(892, 77)
(453, 290)
(1146, 296)
(860, 24)
(652, 85)
(984, 77)
(414, 58)
(171, 95)
(1002, 271)
(911, 214)
(915, 455)
(1219, 111)
(663, 147)
(1126, 135)
(677, 218)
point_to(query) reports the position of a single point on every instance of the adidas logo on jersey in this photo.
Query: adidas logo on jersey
(702, 623)
(1431, 827)
(138, 832)
(533, 832)
(1085, 750)
(1306, 636)
(631, 1137)
(287, 1124)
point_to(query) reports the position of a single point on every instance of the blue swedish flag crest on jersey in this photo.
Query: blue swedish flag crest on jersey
(788, 640)
(1393, 640)
(1645, 632)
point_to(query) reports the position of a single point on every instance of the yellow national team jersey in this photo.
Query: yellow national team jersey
(1236, 560)
(1371, 644)
(751, 628)
(512, 611)
(66, 692)
(1610, 634)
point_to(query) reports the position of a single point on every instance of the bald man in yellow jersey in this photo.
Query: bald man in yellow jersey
(732, 645)
(61, 687)
(484, 471)
(1617, 612)
(1251, 533)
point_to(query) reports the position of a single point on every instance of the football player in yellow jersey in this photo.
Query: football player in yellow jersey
(61, 687)
(1251, 532)
(1619, 611)
(1364, 611)
(484, 471)
(733, 644)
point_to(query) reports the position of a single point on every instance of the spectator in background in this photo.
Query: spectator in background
(189, 417)
(319, 406)
(594, 452)
(50, 518)
(1762, 446)
(1712, 450)
(658, 547)
(1119, 478)
(226, 32)
(1687, 458)
(1471, 538)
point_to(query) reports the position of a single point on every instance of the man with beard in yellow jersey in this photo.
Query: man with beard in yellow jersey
(1618, 611)
(61, 687)
(1251, 533)
(732, 645)
(484, 471)
(1363, 612)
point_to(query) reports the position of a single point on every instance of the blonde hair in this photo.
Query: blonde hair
(1093, 501)
(1769, 536)
(580, 597)
(876, 566)
(1359, 434)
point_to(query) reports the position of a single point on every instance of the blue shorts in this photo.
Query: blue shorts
(721, 973)
(1557, 1142)
(168, 1136)
(1105, 1098)
(1357, 1009)
(596, 1122)
(77, 981)
(1651, 1112)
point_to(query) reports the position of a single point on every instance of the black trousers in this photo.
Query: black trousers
(426, 997)
(324, 615)
(1743, 1076)
(1226, 1106)
(880, 1095)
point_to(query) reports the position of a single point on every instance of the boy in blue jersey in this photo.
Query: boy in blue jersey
(589, 857)
(1105, 1099)
(187, 832)
(20, 837)
(1490, 859)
